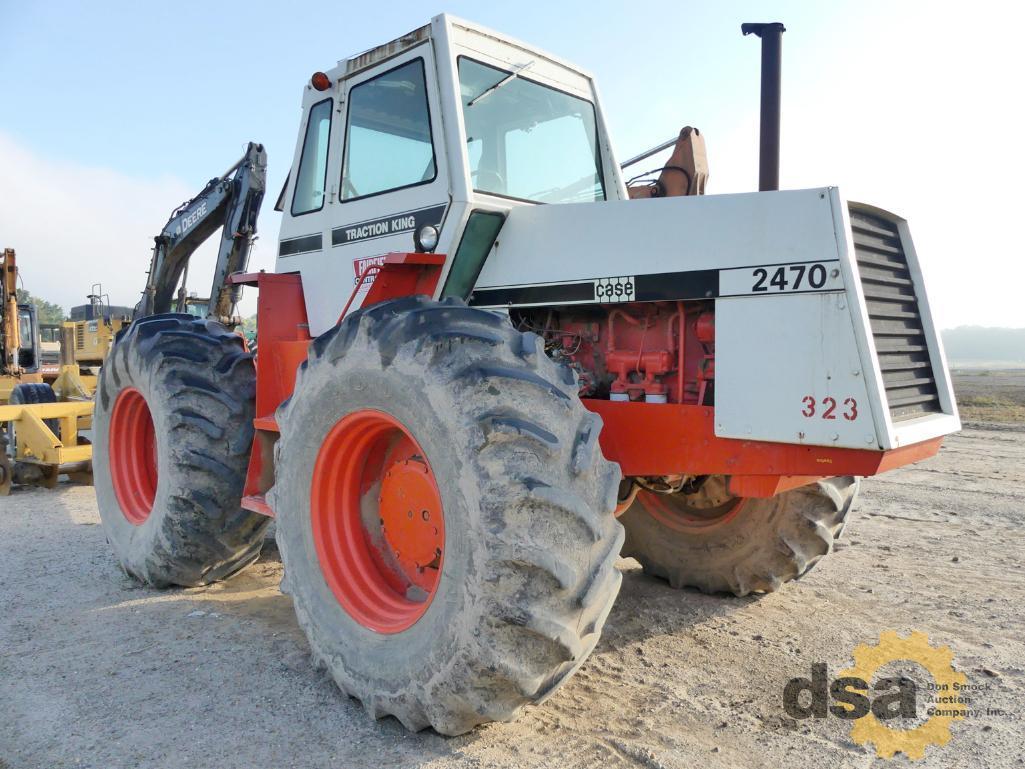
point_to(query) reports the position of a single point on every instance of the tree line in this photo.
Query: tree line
(47, 312)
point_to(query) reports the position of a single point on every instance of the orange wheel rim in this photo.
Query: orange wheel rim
(378, 521)
(133, 455)
(679, 517)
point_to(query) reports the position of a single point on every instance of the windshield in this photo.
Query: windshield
(526, 140)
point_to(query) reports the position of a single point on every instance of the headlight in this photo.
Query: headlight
(426, 238)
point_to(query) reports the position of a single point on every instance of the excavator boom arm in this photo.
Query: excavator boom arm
(231, 203)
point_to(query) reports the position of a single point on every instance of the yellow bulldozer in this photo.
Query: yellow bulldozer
(85, 341)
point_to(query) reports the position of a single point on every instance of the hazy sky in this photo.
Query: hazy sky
(112, 113)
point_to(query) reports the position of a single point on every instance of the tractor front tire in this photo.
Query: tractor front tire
(444, 514)
(723, 544)
(173, 429)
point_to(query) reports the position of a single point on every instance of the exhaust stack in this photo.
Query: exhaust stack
(771, 35)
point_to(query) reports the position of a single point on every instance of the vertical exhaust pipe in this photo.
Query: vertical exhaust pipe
(772, 58)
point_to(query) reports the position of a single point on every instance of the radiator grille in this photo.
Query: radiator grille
(894, 318)
(80, 336)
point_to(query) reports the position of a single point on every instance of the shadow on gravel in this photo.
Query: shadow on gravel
(648, 607)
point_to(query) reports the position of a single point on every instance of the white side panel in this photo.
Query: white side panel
(551, 244)
(787, 369)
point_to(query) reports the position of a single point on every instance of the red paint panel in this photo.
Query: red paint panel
(670, 438)
(405, 275)
(258, 504)
(283, 336)
(400, 274)
(765, 486)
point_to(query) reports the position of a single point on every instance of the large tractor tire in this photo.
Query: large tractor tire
(723, 544)
(444, 514)
(173, 428)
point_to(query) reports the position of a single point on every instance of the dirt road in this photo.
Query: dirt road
(97, 671)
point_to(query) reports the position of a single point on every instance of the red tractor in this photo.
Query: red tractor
(487, 367)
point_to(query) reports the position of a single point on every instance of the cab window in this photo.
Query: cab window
(310, 181)
(526, 140)
(388, 142)
(25, 330)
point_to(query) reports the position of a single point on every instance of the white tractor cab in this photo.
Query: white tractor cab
(451, 126)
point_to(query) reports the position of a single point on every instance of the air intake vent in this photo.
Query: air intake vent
(894, 317)
(80, 336)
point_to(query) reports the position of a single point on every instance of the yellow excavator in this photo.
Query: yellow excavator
(38, 433)
(19, 332)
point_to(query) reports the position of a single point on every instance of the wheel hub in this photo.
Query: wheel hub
(410, 516)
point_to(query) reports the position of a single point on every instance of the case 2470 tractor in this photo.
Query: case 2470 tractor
(485, 372)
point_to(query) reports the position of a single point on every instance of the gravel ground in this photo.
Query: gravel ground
(98, 671)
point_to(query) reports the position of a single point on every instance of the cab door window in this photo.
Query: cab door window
(310, 181)
(388, 141)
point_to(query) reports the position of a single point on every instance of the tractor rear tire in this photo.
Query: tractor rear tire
(733, 545)
(173, 428)
(508, 494)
